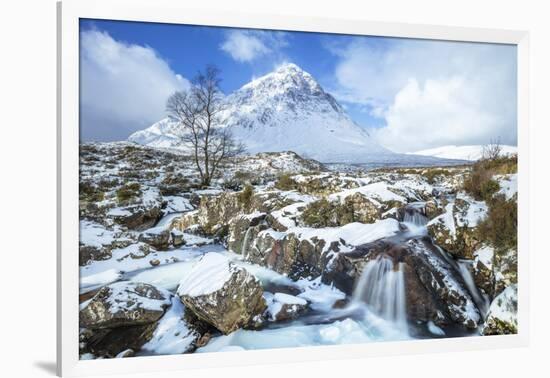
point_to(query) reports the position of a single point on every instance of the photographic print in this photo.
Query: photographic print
(245, 189)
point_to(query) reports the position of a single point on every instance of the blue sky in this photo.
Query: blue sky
(397, 88)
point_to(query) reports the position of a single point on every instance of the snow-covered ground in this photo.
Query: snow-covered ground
(178, 238)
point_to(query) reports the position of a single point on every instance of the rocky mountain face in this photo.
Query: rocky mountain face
(286, 110)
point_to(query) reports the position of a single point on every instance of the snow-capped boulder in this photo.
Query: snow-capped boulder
(124, 304)
(502, 317)
(281, 306)
(139, 212)
(177, 238)
(97, 242)
(156, 237)
(455, 229)
(222, 294)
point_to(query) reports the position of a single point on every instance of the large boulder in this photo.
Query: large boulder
(124, 304)
(502, 318)
(222, 294)
(305, 252)
(156, 237)
(290, 253)
(455, 229)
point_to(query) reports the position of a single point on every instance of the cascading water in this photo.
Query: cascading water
(415, 217)
(382, 288)
(481, 301)
(415, 220)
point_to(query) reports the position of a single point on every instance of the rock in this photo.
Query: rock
(157, 237)
(97, 242)
(242, 231)
(502, 318)
(283, 307)
(222, 294)
(140, 212)
(483, 266)
(177, 238)
(364, 210)
(87, 254)
(154, 262)
(110, 343)
(136, 217)
(139, 250)
(124, 304)
(325, 213)
(431, 209)
(219, 210)
(505, 269)
(455, 229)
(325, 183)
(289, 254)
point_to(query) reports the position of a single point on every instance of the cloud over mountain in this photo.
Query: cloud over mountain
(123, 86)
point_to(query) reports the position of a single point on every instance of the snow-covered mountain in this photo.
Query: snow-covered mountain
(470, 153)
(285, 110)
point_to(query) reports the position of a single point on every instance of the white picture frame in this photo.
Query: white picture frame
(171, 11)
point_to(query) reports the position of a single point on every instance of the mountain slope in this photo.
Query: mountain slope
(286, 110)
(471, 153)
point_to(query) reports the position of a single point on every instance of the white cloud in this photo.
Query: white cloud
(248, 45)
(123, 87)
(431, 93)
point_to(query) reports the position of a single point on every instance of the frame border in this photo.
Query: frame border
(169, 11)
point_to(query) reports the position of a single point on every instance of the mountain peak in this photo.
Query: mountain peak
(286, 110)
(288, 67)
(287, 76)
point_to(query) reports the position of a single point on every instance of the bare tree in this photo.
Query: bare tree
(198, 111)
(492, 151)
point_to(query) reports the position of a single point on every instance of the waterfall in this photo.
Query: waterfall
(382, 288)
(414, 216)
(481, 301)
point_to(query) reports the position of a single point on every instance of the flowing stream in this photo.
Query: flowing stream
(382, 288)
